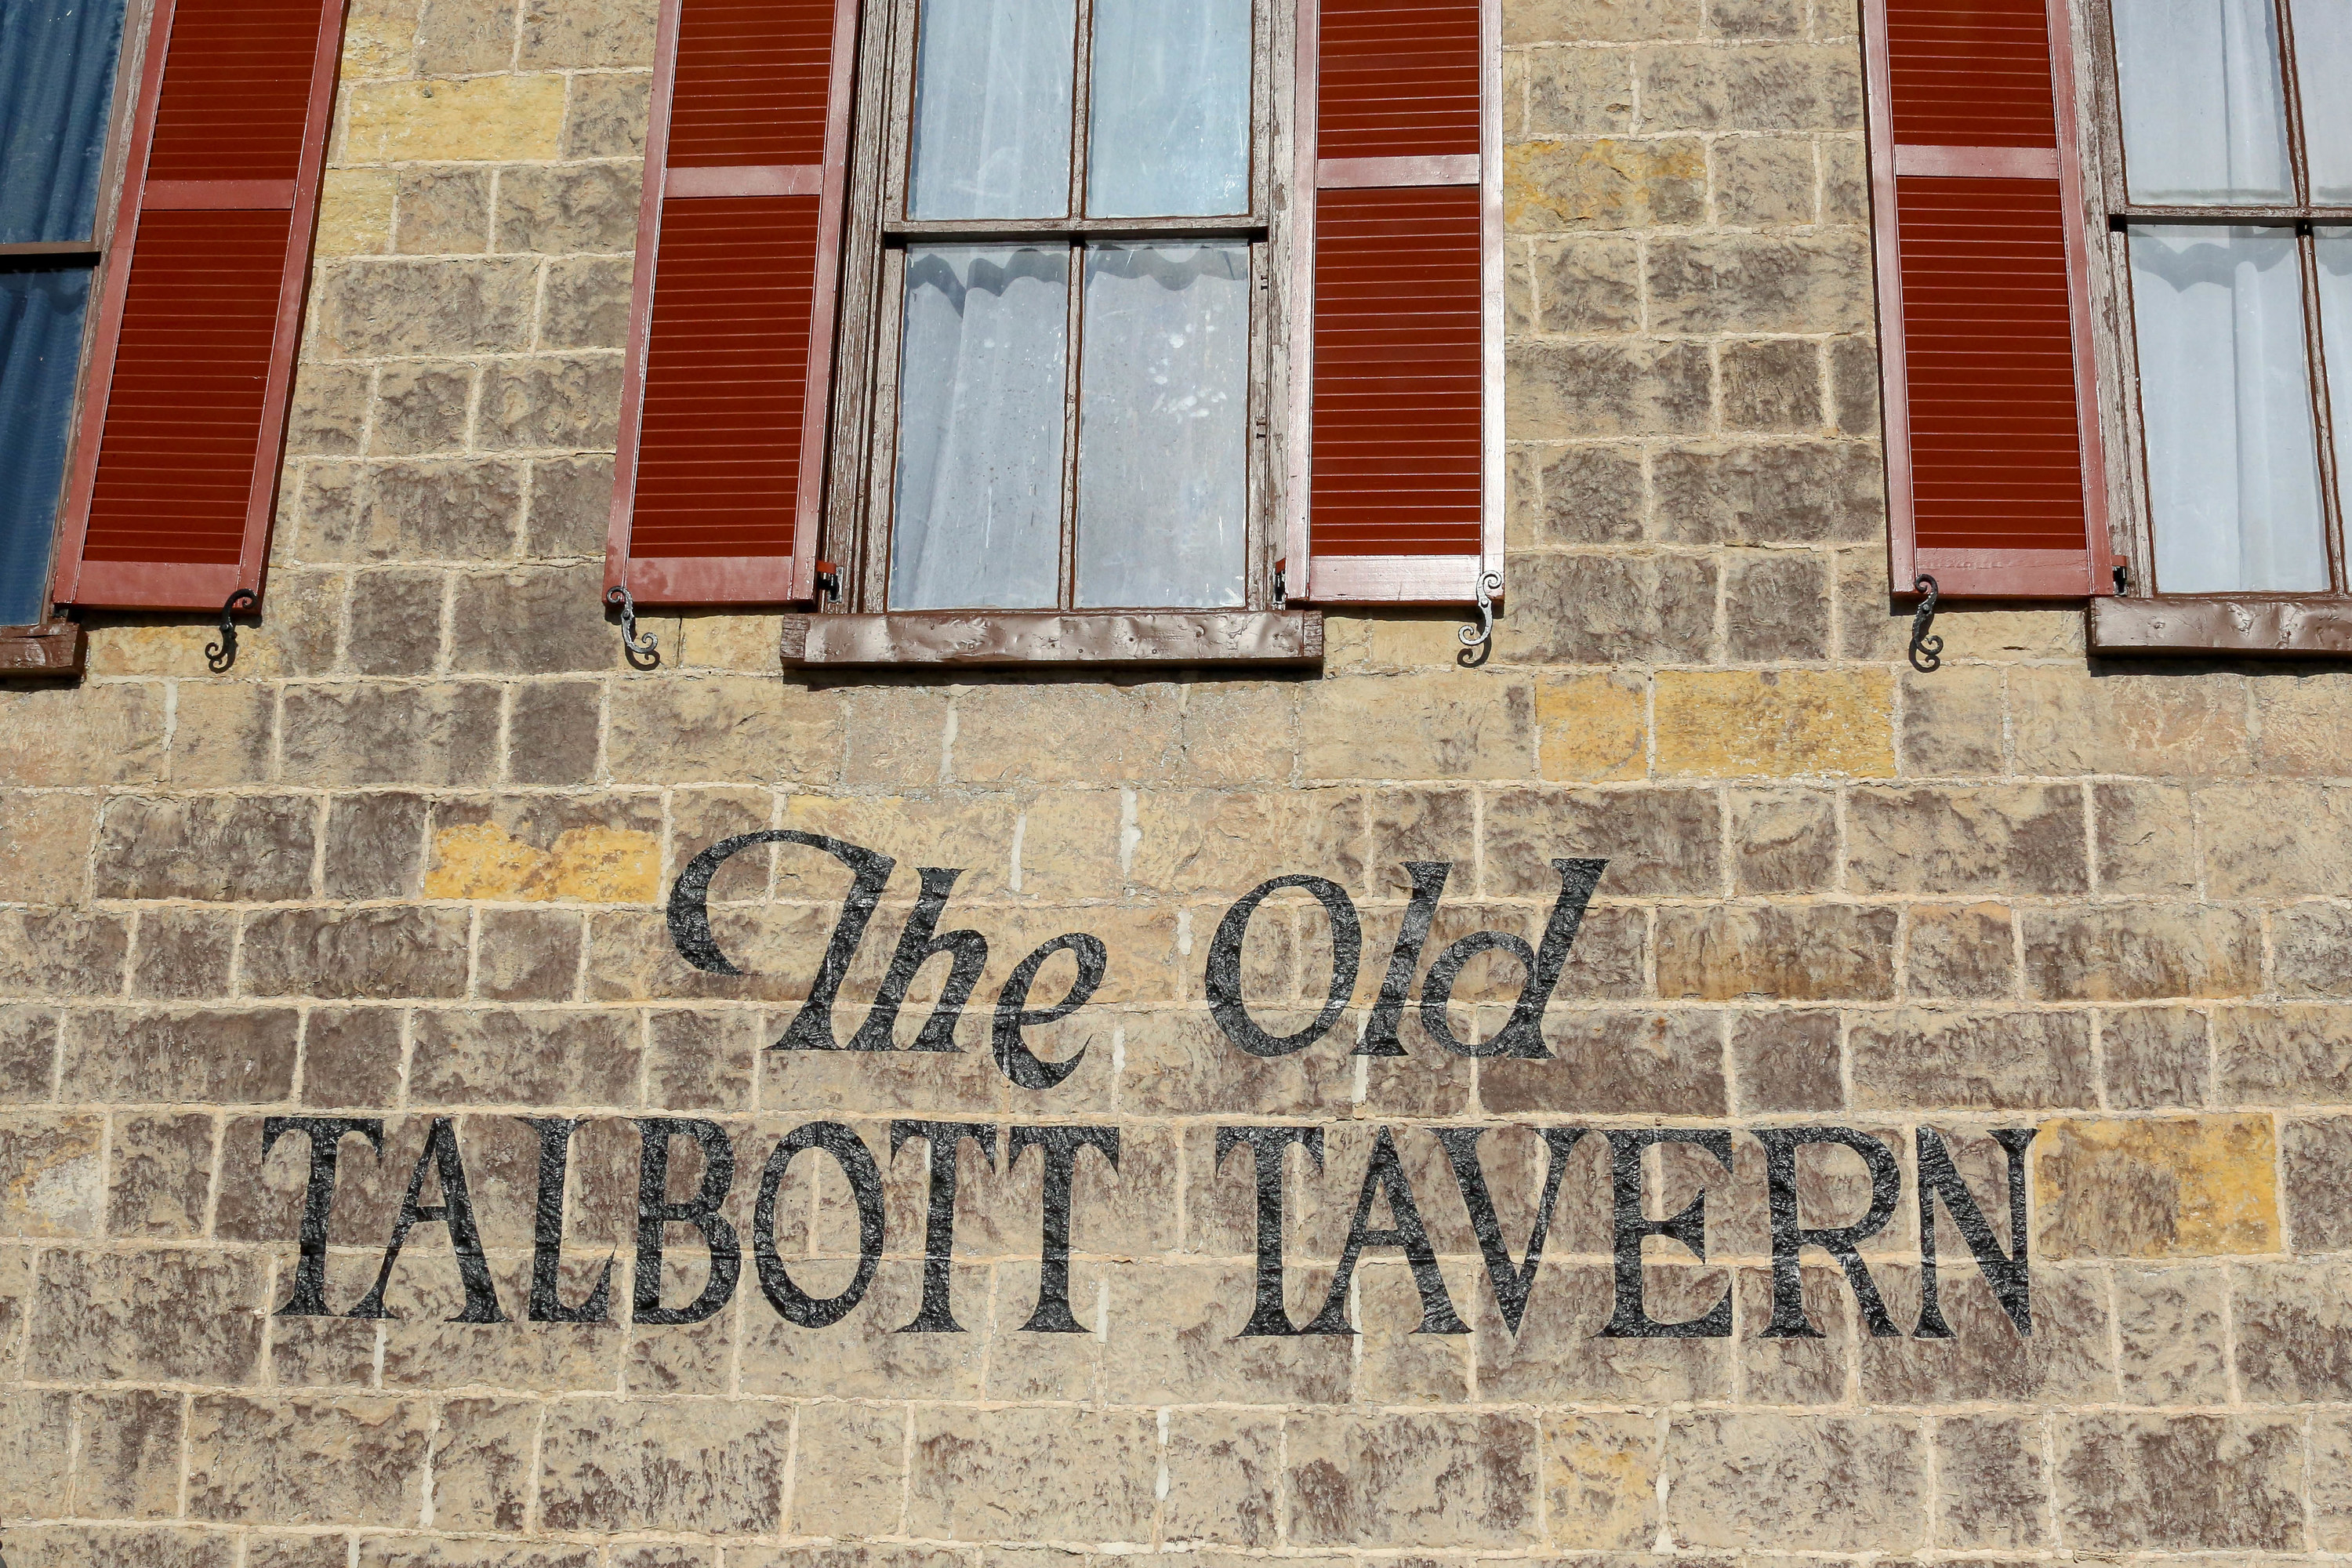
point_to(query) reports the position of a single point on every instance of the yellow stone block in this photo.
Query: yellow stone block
(1602, 183)
(590, 864)
(487, 118)
(1776, 723)
(355, 213)
(1592, 727)
(2197, 1186)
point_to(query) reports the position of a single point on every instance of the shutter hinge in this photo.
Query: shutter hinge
(1482, 635)
(828, 580)
(2123, 579)
(1281, 584)
(220, 655)
(1927, 653)
(638, 647)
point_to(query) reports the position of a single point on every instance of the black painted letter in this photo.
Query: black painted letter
(1404, 960)
(2010, 1275)
(1842, 1242)
(1268, 1317)
(654, 1210)
(967, 955)
(1385, 1173)
(1522, 1036)
(1013, 1014)
(1511, 1282)
(547, 1234)
(793, 1304)
(1629, 1320)
(1224, 975)
(689, 924)
(943, 1139)
(1060, 1146)
(326, 1134)
(454, 1210)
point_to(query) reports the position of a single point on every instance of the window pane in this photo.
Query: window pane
(2335, 248)
(2233, 464)
(2204, 116)
(979, 428)
(1171, 109)
(2322, 57)
(993, 109)
(40, 350)
(56, 89)
(1163, 426)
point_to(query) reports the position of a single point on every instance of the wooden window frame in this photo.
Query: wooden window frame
(2144, 618)
(58, 646)
(858, 626)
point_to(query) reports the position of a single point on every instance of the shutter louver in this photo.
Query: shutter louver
(1396, 451)
(1995, 470)
(721, 464)
(175, 471)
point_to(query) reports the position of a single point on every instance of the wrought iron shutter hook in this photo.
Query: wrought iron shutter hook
(641, 647)
(1926, 652)
(220, 655)
(1489, 585)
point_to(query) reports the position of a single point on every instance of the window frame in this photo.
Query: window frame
(54, 645)
(853, 623)
(2143, 617)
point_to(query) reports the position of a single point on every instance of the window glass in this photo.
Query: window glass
(993, 109)
(1171, 109)
(40, 352)
(1163, 426)
(2334, 247)
(2323, 59)
(2204, 114)
(978, 503)
(57, 95)
(2225, 395)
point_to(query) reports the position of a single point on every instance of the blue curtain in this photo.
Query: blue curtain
(40, 350)
(56, 85)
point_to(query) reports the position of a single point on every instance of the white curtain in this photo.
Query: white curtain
(1163, 426)
(1171, 129)
(2233, 459)
(2204, 110)
(993, 109)
(978, 504)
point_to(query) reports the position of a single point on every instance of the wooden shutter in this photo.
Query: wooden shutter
(1395, 473)
(1994, 467)
(175, 479)
(721, 466)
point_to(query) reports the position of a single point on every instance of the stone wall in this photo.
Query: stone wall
(408, 860)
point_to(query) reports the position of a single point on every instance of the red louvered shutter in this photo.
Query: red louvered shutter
(175, 479)
(721, 467)
(1994, 467)
(1395, 483)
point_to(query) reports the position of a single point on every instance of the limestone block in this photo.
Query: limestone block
(2176, 1187)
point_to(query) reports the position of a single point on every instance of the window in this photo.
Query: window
(59, 102)
(2228, 191)
(1090, 330)
(159, 171)
(2115, 309)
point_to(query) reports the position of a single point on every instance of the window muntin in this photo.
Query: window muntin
(1110, 466)
(60, 60)
(2234, 305)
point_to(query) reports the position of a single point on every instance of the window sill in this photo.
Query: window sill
(1048, 637)
(52, 650)
(2283, 626)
